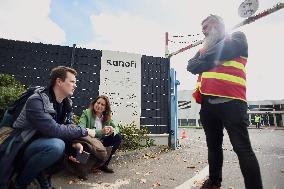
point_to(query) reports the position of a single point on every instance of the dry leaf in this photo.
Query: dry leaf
(148, 173)
(157, 184)
(191, 167)
(143, 181)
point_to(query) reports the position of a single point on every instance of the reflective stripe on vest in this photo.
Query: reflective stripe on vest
(222, 76)
(227, 80)
(235, 64)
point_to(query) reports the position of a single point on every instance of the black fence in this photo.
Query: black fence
(155, 94)
(31, 64)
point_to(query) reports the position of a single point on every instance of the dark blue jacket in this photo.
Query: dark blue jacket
(39, 114)
(38, 117)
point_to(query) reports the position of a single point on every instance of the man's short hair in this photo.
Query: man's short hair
(61, 73)
(215, 19)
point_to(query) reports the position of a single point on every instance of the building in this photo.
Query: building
(188, 109)
(270, 111)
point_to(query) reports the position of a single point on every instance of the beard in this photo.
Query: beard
(212, 38)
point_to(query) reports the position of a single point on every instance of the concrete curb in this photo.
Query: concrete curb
(250, 127)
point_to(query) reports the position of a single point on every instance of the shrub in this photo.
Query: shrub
(10, 90)
(75, 119)
(134, 138)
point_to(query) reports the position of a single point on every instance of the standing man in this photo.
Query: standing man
(41, 132)
(221, 91)
(257, 120)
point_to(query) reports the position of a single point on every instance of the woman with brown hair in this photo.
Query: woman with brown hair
(98, 117)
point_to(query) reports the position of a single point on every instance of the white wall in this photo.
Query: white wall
(120, 80)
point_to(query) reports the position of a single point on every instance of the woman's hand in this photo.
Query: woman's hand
(107, 130)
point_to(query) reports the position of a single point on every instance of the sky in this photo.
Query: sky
(139, 27)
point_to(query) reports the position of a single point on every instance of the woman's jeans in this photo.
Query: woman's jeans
(233, 117)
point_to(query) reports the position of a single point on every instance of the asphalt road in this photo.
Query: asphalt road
(187, 167)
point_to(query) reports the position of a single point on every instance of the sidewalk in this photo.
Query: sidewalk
(160, 168)
(155, 167)
(126, 165)
(266, 127)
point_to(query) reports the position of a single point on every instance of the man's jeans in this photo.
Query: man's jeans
(39, 155)
(233, 116)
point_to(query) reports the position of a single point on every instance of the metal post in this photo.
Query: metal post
(174, 106)
(274, 120)
(73, 56)
(282, 116)
(249, 119)
(167, 45)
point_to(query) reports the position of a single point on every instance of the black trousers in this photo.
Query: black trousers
(234, 118)
(114, 141)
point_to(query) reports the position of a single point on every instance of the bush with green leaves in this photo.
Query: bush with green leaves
(75, 119)
(10, 90)
(134, 138)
